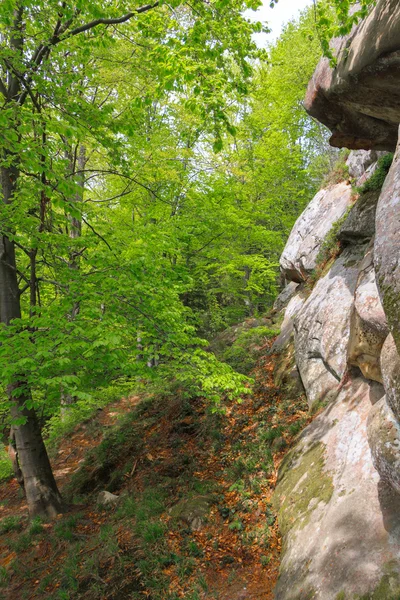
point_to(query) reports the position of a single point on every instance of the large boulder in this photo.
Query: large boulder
(310, 230)
(285, 296)
(322, 328)
(361, 164)
(340, 523)
(384, 441)
(369, 328)
(359, 99)
(359, 225)
(390, 366)
(285, 335)
(387, 247)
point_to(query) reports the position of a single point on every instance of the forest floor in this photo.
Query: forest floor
(194, 517)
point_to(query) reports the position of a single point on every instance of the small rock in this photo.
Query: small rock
(107, 499)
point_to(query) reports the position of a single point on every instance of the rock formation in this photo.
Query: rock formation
(359, 100)
(338, 492)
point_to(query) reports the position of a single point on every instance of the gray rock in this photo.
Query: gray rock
(360, 162)
(368, 323)
(192, 511)
(390, 366)
(310, 230)
(359, 100)
(384, 441)
(322, 328)
(387, 247)
(340, 523)
(359, 225)
(107, 499)
(286, 332)
(285, 296)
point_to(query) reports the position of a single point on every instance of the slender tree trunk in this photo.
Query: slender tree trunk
(76, 168)
(33, 466)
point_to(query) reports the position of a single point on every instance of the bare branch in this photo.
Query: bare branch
(98, 234)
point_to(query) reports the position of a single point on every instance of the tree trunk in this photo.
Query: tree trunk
(40, 488)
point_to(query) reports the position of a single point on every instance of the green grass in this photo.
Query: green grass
(12, 523)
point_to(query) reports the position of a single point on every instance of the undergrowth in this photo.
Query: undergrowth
(376, 181)
(169, 451)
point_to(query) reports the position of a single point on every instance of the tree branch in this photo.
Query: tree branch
(115, 21)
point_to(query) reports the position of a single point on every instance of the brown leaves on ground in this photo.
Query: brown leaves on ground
(185, 451)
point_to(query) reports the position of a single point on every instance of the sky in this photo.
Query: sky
(276, 17)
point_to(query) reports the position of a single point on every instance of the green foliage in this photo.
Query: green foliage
(243, 354)
(10, 524)
(336, 18)
(376, 181)
(331, 246)
(339, 173)
(6, 470)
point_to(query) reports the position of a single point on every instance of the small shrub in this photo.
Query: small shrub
(375, 183)
(245, 350)
(339, 173)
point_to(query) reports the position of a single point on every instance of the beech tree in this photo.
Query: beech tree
(53, 105)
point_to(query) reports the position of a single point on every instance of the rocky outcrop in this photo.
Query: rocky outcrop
(362, 165)
(368, 324)
(384, 441)
(359, 225)
(387, 247)
(323, 328)
(340, 524)
(338, 490)
(359, 100)
(310, 230)
(342, 536)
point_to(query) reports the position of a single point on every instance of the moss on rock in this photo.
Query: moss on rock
(303, 483)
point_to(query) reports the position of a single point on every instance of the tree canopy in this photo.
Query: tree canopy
(153, 161)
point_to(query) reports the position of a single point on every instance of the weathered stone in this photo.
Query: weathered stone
(322, 328)
(107, 499)
(384, 441)
(310, 230)
(359, 100)
(369, 328)
(192, 511)
(285, 335)
(285, 296)
(341, 524)
(390, 366)
(387, 247)
(359, 225)
(361, 164)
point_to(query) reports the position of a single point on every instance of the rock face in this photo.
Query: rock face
(285, 296)
(340, 524)
(384, 440)
(323, 328)
(368, 323)
(359, 226)
(361, 164)
(338, 492)
(387, 247)
(359, 100)
(310, 230)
